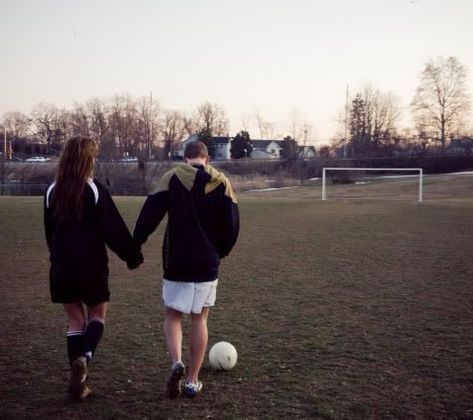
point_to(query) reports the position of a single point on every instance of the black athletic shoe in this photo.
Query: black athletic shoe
(174, 381)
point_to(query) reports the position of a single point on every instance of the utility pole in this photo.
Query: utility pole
(150, 140)
(346, 125)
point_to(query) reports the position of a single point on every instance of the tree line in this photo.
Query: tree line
(129, 126)
(440, 109)
(123, 126)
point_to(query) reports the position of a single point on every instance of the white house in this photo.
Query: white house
(267, 149)
(262, 154)
(221, 144)
(306, 152)
(262, 149)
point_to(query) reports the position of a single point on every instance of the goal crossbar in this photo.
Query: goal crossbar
(419, 170)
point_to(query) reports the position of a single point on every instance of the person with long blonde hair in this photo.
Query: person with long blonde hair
(80, 219)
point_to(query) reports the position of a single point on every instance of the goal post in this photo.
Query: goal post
(324, 178)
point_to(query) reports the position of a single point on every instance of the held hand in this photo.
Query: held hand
(136, 261)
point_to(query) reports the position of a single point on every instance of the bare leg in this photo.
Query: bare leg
(173, 333)
(78, 389)
(98, 312)
(76, 316)
(95, 328)
(198, 344)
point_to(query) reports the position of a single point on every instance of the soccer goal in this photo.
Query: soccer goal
(416, 172)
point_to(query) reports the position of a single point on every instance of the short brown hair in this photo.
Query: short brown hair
(196, 149)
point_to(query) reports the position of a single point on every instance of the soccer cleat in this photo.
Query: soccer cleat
(191, 389)
(85, 393)
(173, 382)
(78, 390)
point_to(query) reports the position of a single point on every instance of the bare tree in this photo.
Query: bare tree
(372, 123)
(245, 122)
(295, 124)
(441, 99)
(265, 127)
(123, 123)
(382, 113)
(212, 120)
(64, 125)
(79, 121)
(173, 131)
(190, 123)
(99, 124)
(45, 117)
(17, 123)
(148, 126)
(18, 126)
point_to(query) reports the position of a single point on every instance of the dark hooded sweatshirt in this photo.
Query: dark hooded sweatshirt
(203, 221)
(81, 244)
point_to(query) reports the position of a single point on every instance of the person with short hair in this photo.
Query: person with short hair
(80, 218)
(202, 228)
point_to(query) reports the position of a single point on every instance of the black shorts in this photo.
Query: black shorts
(78, 284)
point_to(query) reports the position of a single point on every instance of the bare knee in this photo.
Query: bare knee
(76, 316)
(97, 312)
(172, 315)
(200, 318)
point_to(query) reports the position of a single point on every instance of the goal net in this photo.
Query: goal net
(372, 183)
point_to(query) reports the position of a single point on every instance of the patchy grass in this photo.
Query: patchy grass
(358, 309)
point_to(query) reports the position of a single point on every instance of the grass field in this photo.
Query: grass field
(344, 309)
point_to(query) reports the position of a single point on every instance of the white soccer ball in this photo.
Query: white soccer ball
(223, 356)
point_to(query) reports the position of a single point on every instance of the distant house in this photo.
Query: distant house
(306, 152)
(461, 146)
(270, 149)
(221, 144)
(262, 154)
(262, 149)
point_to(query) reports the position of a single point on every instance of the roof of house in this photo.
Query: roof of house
(306, 148)
(216, 140)
(462, 142)
(263, 144)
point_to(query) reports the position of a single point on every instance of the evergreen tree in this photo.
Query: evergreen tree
(359, 137)
(289, 150)
(241, 146)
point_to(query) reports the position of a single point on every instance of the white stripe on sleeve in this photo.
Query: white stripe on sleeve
(48, 193)
(94, 189)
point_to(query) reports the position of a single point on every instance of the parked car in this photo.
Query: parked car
(129, 159)
(37, 159)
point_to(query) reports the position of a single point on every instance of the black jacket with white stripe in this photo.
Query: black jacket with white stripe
(82, 243)
(203, 221)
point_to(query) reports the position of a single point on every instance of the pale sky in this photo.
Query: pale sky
(273, 56)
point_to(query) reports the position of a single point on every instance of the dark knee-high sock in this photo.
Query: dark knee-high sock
(93, 334)
(75, 344)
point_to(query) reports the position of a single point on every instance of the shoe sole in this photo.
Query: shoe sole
(78, 390)
(172, 383)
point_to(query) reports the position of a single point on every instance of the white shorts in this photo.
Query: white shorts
(189, 297)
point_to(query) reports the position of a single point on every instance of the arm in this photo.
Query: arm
(153, 211)
(115, 232)
(229, 222)
(48, 223)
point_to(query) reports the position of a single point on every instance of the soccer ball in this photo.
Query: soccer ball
(223, 356)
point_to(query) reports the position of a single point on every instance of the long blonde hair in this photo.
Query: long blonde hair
(75, 166)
